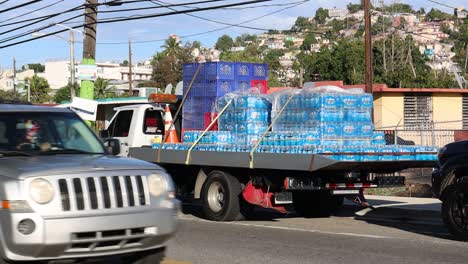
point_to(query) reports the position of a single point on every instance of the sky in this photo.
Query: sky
(56, 47)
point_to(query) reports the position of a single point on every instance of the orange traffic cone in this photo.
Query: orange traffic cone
(170, 133)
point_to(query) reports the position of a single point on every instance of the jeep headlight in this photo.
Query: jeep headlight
(41, 191)
(158, 184)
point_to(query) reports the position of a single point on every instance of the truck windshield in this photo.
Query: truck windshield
(46, 133)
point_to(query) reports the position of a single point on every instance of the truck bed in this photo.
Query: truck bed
(272, 161)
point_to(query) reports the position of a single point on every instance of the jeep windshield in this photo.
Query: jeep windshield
(46, 133)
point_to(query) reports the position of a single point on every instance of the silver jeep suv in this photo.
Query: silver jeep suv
(63, 197)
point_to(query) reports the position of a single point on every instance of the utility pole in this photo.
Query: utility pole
(72, 65)
(89, 46)
(14, 75)
(301, 77)
(368, 46)
(130, 89)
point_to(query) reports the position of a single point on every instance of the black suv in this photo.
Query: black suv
(450, 185)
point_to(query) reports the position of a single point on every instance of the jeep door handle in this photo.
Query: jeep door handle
(124, 144)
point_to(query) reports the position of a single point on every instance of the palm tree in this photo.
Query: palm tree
(102, 89)
(171, 47)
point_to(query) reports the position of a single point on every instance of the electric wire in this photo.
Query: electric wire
(30, 12)
(113, 20)
(18, 6)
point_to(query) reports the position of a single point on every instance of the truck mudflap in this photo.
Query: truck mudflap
(262, 196)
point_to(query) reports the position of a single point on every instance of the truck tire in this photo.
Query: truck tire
(221, 197)
(314, 203)
(455, 210)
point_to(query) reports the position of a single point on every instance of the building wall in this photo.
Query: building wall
(388, 109)
(57, 73)
(447, 107)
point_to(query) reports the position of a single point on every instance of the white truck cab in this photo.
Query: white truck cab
(136, 126)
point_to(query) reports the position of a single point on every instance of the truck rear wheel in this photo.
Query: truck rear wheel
(455, 210)
(221, 197)
(316, 203)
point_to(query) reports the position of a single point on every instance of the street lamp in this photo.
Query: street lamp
(71, 41)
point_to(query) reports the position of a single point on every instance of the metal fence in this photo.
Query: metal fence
(426, 134)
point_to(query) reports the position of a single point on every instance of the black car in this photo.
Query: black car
(450, 185)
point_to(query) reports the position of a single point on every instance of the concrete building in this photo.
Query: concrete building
(57, 72)
(337, 13)
(7, 80)
(461, 13)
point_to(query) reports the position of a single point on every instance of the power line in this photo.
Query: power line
(246, 7)
(442, 4)
(77, 8)
(32, 30)
(207, 19)
(27, 13)
(199, 9)
(113, 20)
(18, 6)
(158, 7)
(43, 18)
(4, 2)
(209, 31)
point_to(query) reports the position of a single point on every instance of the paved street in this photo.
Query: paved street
(345, 238)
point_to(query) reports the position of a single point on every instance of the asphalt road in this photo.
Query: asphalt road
(345, 238)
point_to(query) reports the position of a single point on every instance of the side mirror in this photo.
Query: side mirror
(104, 133)
(113, 146)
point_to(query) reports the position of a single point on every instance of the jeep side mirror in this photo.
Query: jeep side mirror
(113, 146)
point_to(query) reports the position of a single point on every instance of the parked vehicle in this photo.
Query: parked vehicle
(230, 184)
(450, 184)
(64, 196)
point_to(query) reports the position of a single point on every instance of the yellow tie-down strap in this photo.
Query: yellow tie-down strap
(252, 151)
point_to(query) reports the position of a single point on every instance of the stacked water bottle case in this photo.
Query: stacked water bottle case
(214, 80)
(328, 121)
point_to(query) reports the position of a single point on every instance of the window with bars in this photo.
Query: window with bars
(417, 110)
(465, 111)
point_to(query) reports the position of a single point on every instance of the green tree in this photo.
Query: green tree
(302, 24)
(64, 93)
(421, 11)
(37, 67)
(436, 14)
(124, 63)
(168, 69)
(398, 8)
(102, 89)
(224, 43)
(405, 66)
(353, 8)
(321, 15)
(171, 47)
(11, 96)
(288, 44)
(196, 44)
(337, 25)
(40, 89)
(308, 41)
(272, 58)
(460, 41)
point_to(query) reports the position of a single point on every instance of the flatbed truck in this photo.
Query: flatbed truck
(230, 185)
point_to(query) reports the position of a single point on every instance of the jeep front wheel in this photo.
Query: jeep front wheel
(455, 210)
